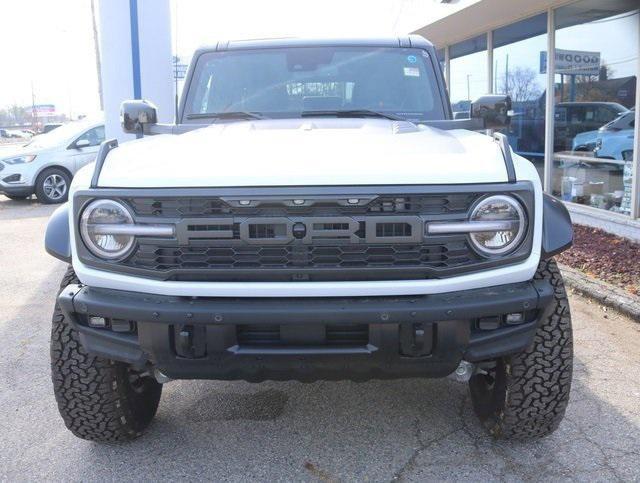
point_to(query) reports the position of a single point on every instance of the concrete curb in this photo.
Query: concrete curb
(603, 292)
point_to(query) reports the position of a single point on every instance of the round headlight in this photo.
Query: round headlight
(95, 231)
(506, 211)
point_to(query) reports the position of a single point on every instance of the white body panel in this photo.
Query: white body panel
(369, 153)
(306, 152)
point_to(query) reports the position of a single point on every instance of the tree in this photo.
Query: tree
(521, 84)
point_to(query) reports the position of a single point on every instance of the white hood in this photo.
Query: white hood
(306, 152)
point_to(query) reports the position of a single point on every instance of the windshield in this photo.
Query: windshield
(297, 81)
(59, 135)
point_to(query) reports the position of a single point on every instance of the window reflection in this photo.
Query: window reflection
(596, 62)
(520, 70)
(468, 79)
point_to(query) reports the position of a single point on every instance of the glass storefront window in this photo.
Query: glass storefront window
(519, 71)
(596, 61)
(468, 77)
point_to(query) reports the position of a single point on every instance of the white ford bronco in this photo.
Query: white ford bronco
(314, 213)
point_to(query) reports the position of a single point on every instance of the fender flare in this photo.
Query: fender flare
(557, 230)
(57, 240)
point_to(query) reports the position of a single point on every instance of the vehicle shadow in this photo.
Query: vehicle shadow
(20, 209)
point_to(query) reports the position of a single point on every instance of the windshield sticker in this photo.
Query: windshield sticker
(412, 59)
(411, 72)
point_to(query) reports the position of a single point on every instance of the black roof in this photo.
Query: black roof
(406, 41)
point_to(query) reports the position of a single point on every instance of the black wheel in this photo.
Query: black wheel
(98, 399)
(52, 186)
(525, 396)
(16, 198)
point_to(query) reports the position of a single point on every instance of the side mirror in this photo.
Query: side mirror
(82, 143)
(493, 109)
(136, 115)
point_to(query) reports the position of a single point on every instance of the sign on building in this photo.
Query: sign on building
(576, 62)
(44, 110)
(179, 68)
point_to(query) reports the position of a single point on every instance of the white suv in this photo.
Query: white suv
(315, 213)
(46, 164)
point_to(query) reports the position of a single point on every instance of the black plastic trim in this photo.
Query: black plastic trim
(506, 153)
(557, 229)
(57, 241)
(466, 304)
(17, 190)
(104, 150)
(449, 316)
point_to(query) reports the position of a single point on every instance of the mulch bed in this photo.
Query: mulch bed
(608, 257)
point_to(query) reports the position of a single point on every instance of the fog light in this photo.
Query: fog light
(516, 318)
(95, 321)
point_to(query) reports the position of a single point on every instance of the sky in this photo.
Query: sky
(48, 49)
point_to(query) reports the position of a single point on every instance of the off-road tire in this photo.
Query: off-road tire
(40, 188)
(526, 395)
(98, 398)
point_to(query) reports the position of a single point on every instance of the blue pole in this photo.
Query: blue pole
(135, 49)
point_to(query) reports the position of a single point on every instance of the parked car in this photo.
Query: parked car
(573, 118)
(50, 127)
(615, 145)
(11, 133)
(322, 216)
(587, 141)
(46, 165)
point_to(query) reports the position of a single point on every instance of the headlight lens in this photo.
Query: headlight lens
(499, 208)
(92, 226)
(20, 159)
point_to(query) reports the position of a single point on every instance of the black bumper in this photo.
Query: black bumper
(307, 339)
(17, 190)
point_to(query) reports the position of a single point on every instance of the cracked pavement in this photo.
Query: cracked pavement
(408, 430)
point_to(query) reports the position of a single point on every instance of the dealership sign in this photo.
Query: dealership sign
(573, 62)
(44, 110)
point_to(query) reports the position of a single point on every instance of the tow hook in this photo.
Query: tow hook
(463, 372)
(160, 376)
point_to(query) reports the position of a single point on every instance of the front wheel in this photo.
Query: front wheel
(98, 399)
(52, 186)
(525, 395)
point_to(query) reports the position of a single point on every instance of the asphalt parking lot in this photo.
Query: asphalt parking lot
(411, 430)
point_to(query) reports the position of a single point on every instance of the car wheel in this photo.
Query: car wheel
(52, 186)
(525, 395)
(98, 399)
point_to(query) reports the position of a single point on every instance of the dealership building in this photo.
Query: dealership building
(583, 139)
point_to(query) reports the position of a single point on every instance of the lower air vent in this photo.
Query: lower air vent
(343, 335)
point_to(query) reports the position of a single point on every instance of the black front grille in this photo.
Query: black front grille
(307, 234)
(444, 255)
(343, 335)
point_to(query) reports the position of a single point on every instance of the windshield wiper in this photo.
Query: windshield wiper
(226, 115)
(352, 113)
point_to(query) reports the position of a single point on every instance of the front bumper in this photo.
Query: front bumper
(16, 190)
(408, 336)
